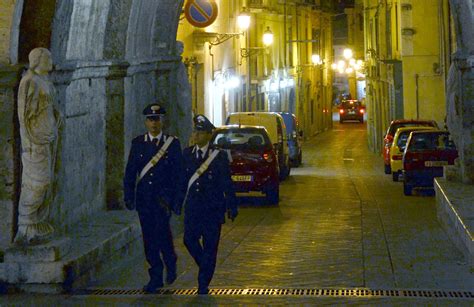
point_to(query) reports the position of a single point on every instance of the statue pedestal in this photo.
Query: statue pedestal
(455, 210)
(90, 248)
(48, 252)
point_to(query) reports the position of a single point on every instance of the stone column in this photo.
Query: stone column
(455, 192)
(114, 130)
(460, 93)
(10, 171)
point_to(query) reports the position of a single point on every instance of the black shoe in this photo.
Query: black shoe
(170, 277)
(152, 287)
(203, 291)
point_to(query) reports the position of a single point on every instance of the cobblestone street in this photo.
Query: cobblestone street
(341, 223)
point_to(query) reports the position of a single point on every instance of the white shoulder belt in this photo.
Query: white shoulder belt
(204, 166)
(156, 158)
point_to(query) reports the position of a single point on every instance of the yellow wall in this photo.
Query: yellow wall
(209, 98)
(431, 92)
(6, 14)
(420, 56)
(423, 53)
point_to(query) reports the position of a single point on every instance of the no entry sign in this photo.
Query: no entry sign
(200, 13)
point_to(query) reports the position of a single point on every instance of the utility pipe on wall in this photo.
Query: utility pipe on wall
(417, 96)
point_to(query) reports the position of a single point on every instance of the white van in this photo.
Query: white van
(276, 129)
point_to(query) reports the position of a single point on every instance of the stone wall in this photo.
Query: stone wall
(9, 146)
(112, 58)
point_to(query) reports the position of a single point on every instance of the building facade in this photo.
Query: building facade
(407, 45)
(231, 69)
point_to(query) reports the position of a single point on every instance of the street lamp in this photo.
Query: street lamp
(243, 21)
(347, 53)
(267, 41)
(268, 37)
(316, 59)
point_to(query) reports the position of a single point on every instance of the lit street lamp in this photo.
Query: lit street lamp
(268, 37)
(316, 59)
(347, 53)
(243, 21)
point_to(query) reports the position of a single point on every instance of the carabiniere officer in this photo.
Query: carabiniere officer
(209, 195)
(153, 177)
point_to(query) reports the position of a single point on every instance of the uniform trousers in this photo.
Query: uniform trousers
(204, 255)
(157, 239)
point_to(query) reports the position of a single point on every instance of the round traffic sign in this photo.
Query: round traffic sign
(200, 13)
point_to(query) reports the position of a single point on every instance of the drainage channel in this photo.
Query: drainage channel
(324, 292)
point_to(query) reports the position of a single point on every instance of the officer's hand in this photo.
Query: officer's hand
(130, 204)
(232, 213)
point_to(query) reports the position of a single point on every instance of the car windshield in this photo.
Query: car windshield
(402, 139)
(241, 138)
(350, 104)
(431, 141)
(393, 128)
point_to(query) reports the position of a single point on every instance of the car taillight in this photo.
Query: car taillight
(408, 161)
(361, 111)
(341, 111)
(268, 157)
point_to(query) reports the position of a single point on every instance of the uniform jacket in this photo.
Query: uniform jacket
(212, 193)
(162, 182)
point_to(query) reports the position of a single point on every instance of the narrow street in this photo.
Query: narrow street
(341, 224)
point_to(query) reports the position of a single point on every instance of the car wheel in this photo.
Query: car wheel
(282, 173)
(395, 176)
(273, 196)
(387, 169)
(407, 189)
(285, 171)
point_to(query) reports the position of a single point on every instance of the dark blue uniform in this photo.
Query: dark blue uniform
(155, 195)
(208, 199)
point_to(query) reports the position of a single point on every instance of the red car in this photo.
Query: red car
(351, 110)
(425, 155)
(388, 138)
(254, 165)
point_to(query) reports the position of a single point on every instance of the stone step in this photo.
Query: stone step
(49, 252)
(455, 210)
(59, 266)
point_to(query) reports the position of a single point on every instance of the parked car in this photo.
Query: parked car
(254, 165)
(276, 129)
(398, 147)
(388, 138)
(351, 109)
(425, 155)
(295, 138)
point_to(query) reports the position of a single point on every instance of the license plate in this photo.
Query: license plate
(435, 163)
(241, 178)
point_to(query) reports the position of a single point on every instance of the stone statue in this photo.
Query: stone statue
(39, 121)
(459, 97)
(184, 106)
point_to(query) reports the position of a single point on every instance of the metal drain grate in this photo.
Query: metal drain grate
(407, 293)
